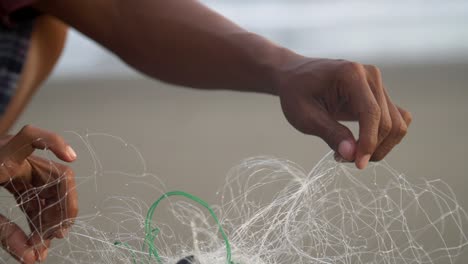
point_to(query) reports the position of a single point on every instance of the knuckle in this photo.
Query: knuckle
(398, 132)
(385, 128)
(402, 130)
(351, 70)
(373, 70)
(66, 175)
(373, 111)
(55, 138)
(27, 130)
(67, 171)
(352, 66)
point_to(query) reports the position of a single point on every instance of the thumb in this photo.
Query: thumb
(336, 135)
(14, 241)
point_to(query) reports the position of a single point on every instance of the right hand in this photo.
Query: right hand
(316, 94)
(44, 190)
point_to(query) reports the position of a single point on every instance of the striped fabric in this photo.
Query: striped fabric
(14, 44)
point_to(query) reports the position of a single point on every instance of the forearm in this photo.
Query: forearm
(177, 41)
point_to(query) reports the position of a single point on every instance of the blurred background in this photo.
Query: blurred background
(190, 138)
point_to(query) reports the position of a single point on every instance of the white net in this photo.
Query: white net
(271, 210)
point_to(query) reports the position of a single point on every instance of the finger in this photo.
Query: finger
(406, 116)
(40, 245)
(60, 195)
(69, 204)
(30, 138)
(366, 107)
(15, 242)
(336, 135)
(368, 135)
(374, 79)
(398, 132)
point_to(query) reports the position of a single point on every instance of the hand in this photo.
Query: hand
(318, 93)
(43, 189)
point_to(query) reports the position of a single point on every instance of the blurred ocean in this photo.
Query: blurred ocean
(394, 32)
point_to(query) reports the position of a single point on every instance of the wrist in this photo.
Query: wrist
(285, 59)
(277, 60)
(264, 64)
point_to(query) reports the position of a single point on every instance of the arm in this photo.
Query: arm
(183, 42)
(180, 42)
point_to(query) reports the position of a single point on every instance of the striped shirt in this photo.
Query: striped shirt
(15, 33)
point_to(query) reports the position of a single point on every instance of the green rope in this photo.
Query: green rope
(151, 233)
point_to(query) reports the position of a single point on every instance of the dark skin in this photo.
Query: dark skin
(45, 192)
(183, 42)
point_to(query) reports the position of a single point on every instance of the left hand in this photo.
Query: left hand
(318, 93)
(44, 190)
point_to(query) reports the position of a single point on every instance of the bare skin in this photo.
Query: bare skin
(45, 192)
(194, 46)
(25, 175)
(46, 45)
(185, 43)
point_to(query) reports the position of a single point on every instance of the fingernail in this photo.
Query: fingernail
(346, 150)
(71, 153)
(364, 161)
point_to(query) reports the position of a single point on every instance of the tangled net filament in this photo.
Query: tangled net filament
(335, 215)
(273, 212)
(330, 215)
